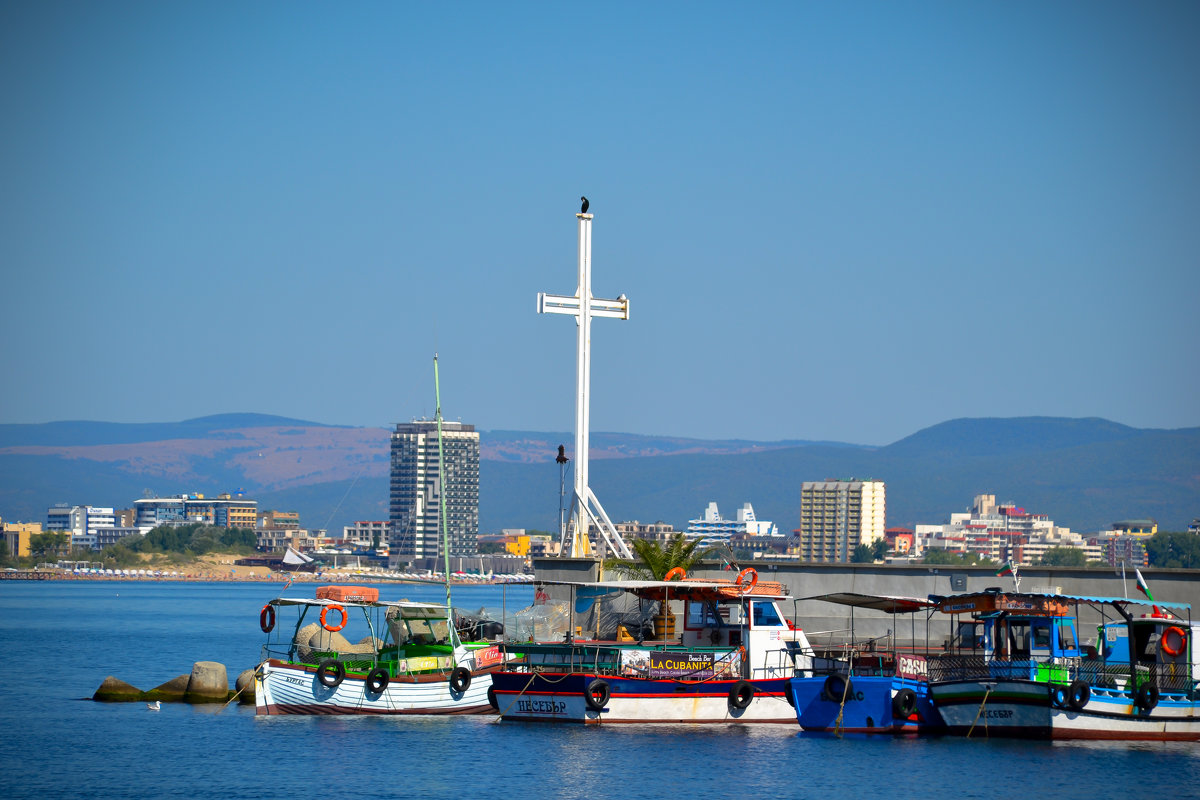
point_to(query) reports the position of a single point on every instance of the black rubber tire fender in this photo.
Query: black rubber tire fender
(837, 687)
(904, 704)
(460, 680)
(1078, 694)
(331, 673)
(377, 680)
(741, 693)
(597, 694)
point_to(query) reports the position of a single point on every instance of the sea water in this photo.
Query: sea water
(60, 639)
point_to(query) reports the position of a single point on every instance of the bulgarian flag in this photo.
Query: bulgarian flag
(1007, 569)
(1141, 584)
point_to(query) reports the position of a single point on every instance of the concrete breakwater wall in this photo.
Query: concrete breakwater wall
(822, 620)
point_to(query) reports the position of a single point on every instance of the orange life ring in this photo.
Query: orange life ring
(266, 618)
(1166, 648)
(340, 610)
(749, 573)
(673, 572)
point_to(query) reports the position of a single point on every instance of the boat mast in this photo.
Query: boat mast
(437, 398)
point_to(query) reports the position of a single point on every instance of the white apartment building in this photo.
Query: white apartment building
(837, 517)
(712, 528)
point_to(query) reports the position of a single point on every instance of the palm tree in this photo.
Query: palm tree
(654, 561)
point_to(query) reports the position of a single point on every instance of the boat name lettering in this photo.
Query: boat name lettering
(999, 713)
(296, 681)
(912, 667)
(541, 707)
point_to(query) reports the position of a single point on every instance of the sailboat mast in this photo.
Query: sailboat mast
(437, 396)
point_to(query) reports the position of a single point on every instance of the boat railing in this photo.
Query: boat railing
(1109, 677)
(606, 658)
(786, 662)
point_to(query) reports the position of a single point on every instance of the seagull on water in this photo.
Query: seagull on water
(155, 706)
(584, 209)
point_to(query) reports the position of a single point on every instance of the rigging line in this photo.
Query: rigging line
(339, 503)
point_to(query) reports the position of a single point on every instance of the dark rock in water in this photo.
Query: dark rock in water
(172, 691)
(208, 683)
(115, 691)
(245, 687)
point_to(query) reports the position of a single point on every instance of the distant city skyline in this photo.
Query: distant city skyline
(843, 222)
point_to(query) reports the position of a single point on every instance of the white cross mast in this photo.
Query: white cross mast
(585, 508)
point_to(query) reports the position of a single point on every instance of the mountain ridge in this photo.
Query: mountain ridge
(1082, 472)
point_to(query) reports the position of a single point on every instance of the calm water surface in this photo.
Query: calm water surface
(62, 638)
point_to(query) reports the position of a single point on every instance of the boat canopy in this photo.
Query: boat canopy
(309, 601)
(879, 602)
(1036, 603)
(726, 591)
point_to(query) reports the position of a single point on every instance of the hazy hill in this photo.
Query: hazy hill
(1084, 473)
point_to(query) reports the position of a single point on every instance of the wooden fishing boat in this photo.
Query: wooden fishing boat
(1017, 668)
(407, 658)
(871, 685)
(729, 662)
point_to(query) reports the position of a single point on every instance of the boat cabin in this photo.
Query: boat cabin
(1159, 643)
(724, 630)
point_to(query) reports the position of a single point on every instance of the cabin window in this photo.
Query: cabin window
(701, 615)
(765, 615)
(1041, 637)
(970, 636)
(1066, 636)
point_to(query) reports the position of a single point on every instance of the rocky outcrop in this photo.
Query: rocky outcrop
(244, 687)
(172, 691)
(115, 691)
(208, 683)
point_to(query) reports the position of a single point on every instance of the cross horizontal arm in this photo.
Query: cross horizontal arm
(563, 304)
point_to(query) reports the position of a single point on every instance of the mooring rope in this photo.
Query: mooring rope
(987, 691)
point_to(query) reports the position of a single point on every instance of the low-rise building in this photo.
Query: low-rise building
(222, 511)
(370, 534)
(16, 536)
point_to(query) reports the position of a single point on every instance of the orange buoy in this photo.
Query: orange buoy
(340, 625)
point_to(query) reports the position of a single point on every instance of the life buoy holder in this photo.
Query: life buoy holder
(460, 680)
(1078, 694)
(747, 579)
(675, 572)
(266, 618)
(904, 704)
(597, 694)
(740, 694)
(331, 673)
(377, 680)
(1164, 641)
(340, 625)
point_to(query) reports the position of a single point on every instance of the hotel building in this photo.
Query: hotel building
(416, 490)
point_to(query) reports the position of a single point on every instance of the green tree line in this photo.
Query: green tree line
(183, 542)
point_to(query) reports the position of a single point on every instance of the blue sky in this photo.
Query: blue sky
(838, 221)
